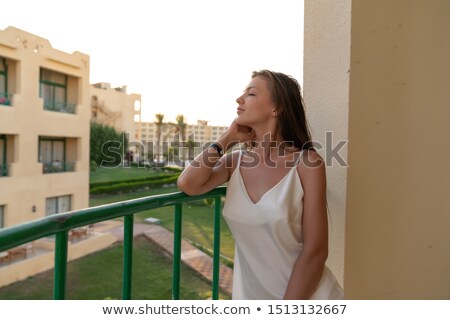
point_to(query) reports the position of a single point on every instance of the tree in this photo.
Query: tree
(181, 130)
(159, 121)
(107, 146)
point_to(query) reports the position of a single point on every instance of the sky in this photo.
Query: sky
(190, 57)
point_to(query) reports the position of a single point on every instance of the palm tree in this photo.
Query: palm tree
(181, 129)
(159, 117)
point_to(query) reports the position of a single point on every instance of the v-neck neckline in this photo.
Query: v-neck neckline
(266, 192)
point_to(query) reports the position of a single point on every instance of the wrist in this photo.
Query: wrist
(216, 147)
(225, 142)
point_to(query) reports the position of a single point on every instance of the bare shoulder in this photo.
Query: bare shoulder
(311, 166)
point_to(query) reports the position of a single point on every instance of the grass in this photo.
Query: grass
(198, 225)
(198, 219)
(99, 276)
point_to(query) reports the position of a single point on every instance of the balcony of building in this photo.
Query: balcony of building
(7, 81)
(58, 154)
(58, 91)
(6, 154)
(5, 99)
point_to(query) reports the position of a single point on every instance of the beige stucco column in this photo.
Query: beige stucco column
(398, 209)
(395, 105)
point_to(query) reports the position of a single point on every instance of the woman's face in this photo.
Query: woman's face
(255, 105)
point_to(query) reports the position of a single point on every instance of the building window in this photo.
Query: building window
(53, 89)
(5, 97)
(57, 205)
(3, 159)
(52, 153)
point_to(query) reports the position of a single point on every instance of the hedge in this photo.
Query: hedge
(109, 183)
(155, 167)
(131, 186)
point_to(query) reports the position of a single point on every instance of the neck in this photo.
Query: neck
(267, 145)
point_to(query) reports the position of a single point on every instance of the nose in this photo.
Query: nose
(239, 100)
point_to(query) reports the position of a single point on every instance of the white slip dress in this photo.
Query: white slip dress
(268, 239)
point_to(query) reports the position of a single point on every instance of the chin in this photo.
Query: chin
(240, 121)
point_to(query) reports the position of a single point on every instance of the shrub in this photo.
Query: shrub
(131, 186)
(148, 179)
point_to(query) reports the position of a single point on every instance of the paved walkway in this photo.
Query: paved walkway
(190, 255)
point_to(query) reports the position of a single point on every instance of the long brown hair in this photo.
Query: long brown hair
(286, 94)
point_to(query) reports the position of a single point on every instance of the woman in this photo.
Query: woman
(276, 196)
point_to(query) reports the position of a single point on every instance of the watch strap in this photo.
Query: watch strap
(217, 148)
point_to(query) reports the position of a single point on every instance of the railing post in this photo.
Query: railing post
(127, 256)
(177, 252)
(60, 272)
(216, 254)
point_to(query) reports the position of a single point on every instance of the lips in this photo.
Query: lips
(239, 109)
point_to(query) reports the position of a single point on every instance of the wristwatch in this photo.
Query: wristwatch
(217, 148)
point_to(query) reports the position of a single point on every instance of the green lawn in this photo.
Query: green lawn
(198, 222)
(99, 276)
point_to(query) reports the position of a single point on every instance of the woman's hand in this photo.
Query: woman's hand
(209, 170)
(235, 133)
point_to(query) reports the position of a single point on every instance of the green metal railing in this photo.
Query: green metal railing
(3, 170)
(5, 98)
(52, 105)
(57, 166)
(60, 224)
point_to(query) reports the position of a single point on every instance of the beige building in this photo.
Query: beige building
(46, 104)
(44, 128)
(203, 133)
(45, 115)
(115, 108)
(200, 133)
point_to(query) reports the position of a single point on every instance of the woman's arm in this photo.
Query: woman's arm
(308, 268)
(209, 170)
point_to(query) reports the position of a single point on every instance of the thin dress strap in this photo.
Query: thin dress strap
(239, 158)
(299, 158)
(238, 163)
